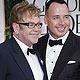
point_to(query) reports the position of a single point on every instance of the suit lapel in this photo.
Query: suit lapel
(41, 47)
(65, 55)
(41, 64)
(21, 60)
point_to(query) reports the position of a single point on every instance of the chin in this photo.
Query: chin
(35, 41)
(62, 33)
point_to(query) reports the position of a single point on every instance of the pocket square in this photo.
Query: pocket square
(71, 62)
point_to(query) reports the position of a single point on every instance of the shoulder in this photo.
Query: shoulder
(4, 47)
(42, 41)
(43, 38)
(5, 56)
(74, 40)
(74, 36)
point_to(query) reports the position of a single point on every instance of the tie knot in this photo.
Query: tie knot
(55, 42)
(31, 51)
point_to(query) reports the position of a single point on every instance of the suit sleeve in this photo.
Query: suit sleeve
(3, 64)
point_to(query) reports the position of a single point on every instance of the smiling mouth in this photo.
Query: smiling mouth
(61, 29)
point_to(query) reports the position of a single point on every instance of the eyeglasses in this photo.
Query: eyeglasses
(31, 25)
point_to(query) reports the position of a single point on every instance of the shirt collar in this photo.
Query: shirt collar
(63, 38)
(22, 45)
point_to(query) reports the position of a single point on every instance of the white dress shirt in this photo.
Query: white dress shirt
(32, 60)
(52, 54)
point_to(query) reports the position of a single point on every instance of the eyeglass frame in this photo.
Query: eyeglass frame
(33, 25)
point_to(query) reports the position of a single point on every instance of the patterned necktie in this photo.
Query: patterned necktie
(55, 42)
(31, 51)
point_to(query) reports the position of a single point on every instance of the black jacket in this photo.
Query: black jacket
(70, 52)
(13, 64)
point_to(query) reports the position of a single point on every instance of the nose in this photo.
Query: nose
(36, 28)
(62, 21)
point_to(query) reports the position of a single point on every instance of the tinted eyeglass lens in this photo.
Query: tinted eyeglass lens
(32, 25)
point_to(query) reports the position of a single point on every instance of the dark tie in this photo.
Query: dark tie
(55, 42)
(32, 51)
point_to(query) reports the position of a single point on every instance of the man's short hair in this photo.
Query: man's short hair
(47, 5)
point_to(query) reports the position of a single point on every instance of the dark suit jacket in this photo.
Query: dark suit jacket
(63, 69)
(13, 64)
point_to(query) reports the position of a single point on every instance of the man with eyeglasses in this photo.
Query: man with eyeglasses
(18, 60)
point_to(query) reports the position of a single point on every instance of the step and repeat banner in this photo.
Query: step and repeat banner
(2, 21)
(74, 7)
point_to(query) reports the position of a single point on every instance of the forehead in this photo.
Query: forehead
(56, 8)
(34, 19)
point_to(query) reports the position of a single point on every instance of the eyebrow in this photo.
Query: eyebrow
(59, 15)
(32, 22)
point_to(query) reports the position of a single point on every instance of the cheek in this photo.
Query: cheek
(52, 23)
(68, 25)
(26, 34)
(51, 29)
(68, 22)
(51, 26)
(40, 31)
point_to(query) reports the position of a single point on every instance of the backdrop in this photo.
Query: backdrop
(74, 7)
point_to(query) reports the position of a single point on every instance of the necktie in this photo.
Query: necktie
(55, 42)
(31, 51)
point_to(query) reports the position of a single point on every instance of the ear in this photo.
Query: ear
(16, 27)
(45, 19)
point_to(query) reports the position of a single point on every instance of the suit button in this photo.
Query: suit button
(50, 72)
(54, 51)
